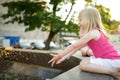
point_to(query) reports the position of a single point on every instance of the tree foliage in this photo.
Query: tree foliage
(36, 14)
(110, 25)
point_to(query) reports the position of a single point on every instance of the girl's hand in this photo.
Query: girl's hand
(56, 59)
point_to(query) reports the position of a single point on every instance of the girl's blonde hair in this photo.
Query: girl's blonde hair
(92, 20)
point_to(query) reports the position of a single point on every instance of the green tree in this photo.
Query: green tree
(110, 25)
(114, 26)
(36, 14)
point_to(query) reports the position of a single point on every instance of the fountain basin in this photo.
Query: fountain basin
(31, 63)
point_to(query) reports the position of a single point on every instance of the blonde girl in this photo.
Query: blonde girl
(106, 59)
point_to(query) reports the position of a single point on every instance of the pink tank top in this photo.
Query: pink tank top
(103, 49)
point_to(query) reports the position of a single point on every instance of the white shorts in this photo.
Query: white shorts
(105, 62)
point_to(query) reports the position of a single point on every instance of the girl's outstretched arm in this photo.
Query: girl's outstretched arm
(71, 49)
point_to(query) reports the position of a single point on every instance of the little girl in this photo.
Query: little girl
(106, 59)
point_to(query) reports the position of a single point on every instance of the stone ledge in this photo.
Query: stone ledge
(76, 74)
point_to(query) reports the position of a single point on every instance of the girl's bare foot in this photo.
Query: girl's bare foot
(116, 73)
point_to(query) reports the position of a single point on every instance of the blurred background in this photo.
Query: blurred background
(51, 24)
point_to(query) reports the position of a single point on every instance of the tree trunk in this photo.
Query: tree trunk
(49, 39)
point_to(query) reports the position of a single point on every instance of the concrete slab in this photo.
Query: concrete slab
(76, 74)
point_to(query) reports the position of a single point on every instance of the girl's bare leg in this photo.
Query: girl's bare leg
(85, 65)
(85, 51)
(89, 52)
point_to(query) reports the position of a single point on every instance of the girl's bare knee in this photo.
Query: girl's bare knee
(83, 52)
(84, 62)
